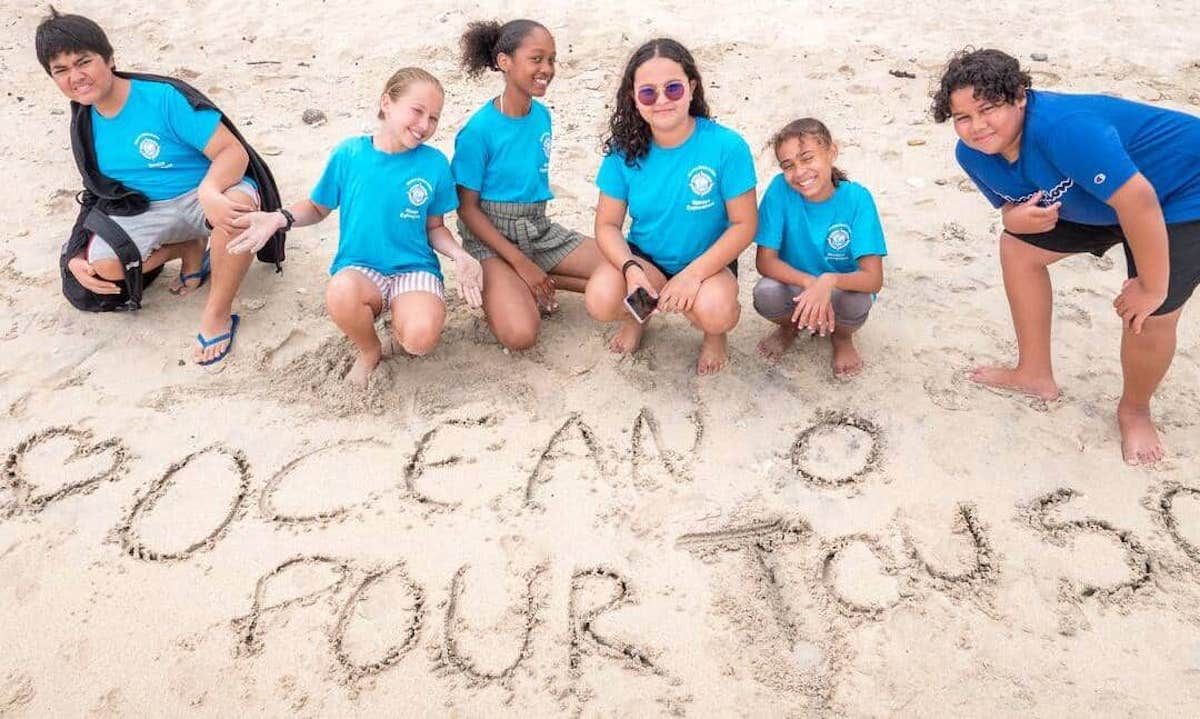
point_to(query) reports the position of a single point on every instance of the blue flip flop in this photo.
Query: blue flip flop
(206, 342)
(202, 274)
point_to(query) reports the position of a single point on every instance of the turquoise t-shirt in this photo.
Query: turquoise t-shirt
(385, 199)
(505, 159)
(676, 197)
(155, 143)
(820, 237)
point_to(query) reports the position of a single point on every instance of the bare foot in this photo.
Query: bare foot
(627, 338)
(846, 360)
(772, 347)
(1016, 380)
(362, 369)
(1139, 438)
(713, 355)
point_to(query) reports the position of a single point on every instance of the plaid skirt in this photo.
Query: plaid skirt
(525, 225)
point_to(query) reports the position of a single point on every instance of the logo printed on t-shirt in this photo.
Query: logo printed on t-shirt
(148, 145)
(545, 168)
(838, 239)
(1099, 178)
(701, 180)
(1048, 197)
(419, 192)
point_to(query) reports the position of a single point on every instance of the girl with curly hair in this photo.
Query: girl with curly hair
(687, 184)
(502, 168)
(1081, 173)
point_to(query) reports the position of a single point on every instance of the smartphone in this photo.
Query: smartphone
(640, 304)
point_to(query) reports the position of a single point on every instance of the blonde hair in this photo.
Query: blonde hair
(405, 78)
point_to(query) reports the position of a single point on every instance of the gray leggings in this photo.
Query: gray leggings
(773, 300)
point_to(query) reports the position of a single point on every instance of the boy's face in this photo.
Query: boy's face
(412, 118)
(531, 66)
(83, 77)
(985, 125)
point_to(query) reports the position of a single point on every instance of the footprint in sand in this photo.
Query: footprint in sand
(46, 467)
(379, 623)
(840, 449)
(16, 691)
(297, 581)
(189, 508)
(315, 486)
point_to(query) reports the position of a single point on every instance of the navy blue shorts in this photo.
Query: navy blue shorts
(638, 253)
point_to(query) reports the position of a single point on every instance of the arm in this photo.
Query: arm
(1141, 218)
(610, 218)
(229, 161)
(467, 270)
(469, 209)
(257, 227)
(679, 294)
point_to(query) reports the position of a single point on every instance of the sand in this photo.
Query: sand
(559, 532)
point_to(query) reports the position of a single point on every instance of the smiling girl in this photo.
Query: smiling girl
(502, 168)
(820, 247)
(392, 189)
(687, 184)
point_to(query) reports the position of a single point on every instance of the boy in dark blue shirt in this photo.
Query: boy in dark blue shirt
(1081, 173)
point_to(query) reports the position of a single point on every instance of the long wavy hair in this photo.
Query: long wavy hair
(628, 133)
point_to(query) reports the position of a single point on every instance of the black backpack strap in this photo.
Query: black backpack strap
(126, 251)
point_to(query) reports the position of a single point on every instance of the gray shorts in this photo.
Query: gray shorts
(391, 286)
(773, 300)
(525, 225)
(165, 222)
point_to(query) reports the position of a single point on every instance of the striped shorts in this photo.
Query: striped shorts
(525, 225)
(393, 285)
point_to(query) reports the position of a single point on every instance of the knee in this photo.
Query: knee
(772, 298)
(852, 308)
(341, 295)
(420, 340)
(717, 313)
(604, 293)
(517, 336)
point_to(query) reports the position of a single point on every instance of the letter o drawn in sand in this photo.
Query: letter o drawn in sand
(134, 546)
(831, 452)
(16, 477)
(356, 611)
(1165, 505)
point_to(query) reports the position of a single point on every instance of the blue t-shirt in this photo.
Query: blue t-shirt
(505, 159)
(1080, 149)
(155, 143)
(676, 197)
(820, 237)
(385, 199)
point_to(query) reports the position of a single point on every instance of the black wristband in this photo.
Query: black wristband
(291, 220)
(631, 263)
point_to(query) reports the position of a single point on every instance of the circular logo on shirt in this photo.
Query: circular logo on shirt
(546, 143)
(702, 180)
(838, 237)
(148, 145)
(1100, 178)
(419, 191)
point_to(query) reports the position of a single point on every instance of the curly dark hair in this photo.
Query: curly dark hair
(628, 133)
(995, 75)
(58, 33)
(485, 39)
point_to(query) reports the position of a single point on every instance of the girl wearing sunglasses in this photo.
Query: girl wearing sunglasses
(502, 169)
(687, 184)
